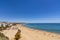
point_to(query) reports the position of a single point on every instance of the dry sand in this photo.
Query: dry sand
(31, 34)
(10, 32)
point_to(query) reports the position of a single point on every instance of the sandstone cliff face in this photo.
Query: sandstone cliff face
(12, 32)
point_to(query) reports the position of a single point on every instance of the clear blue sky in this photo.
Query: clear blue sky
(42, 11)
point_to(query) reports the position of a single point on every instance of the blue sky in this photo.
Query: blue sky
(40, 11)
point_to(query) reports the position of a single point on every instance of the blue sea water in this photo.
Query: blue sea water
(50, 27)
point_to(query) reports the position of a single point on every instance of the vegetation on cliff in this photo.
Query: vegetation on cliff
(3, 37)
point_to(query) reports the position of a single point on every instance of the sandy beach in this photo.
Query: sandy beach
(31, 34)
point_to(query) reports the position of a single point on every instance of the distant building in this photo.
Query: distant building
(3, 25)
(6, 24)
(10, 24)
(0, 25)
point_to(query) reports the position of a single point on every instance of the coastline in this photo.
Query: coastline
(32, 34)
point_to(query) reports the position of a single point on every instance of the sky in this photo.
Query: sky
(30, 11)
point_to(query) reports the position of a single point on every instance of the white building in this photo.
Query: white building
(3, 24)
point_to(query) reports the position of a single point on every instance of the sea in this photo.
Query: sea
(50, 27)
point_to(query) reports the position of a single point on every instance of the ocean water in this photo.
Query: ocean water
(50, 27)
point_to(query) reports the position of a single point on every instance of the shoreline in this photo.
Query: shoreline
(43, 30)
(32, 34)
(40, 30)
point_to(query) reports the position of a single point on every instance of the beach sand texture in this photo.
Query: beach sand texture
(31, 34)
(10, 33)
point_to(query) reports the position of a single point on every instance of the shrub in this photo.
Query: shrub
(18, 35)
(3, 37)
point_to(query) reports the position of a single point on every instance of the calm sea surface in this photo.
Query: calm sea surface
(50, 27)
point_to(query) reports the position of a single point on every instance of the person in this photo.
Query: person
(18, 35)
